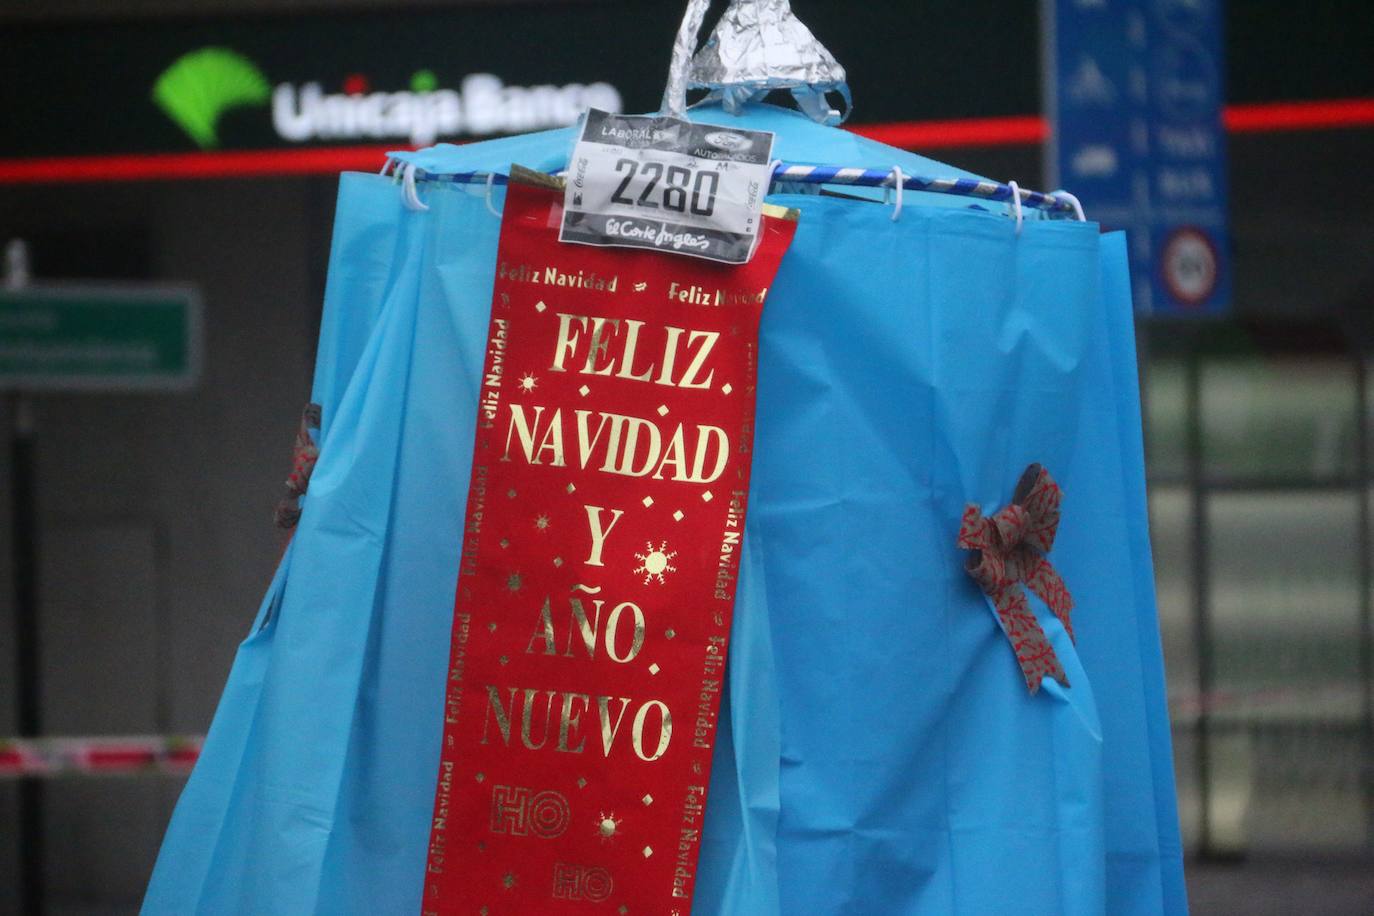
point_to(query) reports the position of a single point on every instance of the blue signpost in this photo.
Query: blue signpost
(1134, 92)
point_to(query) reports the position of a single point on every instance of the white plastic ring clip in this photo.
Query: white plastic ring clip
(898, 180)
(1016, 205)
(491, 181)
(409, 196)
(1077, 207)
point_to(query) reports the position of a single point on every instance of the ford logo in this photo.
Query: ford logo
(724, 139)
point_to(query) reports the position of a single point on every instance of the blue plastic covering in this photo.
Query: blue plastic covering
(882, 755)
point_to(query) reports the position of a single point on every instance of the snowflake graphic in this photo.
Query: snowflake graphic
(528, 382)
(655, 562)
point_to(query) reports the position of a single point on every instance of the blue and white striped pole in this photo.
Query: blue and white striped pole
(1057, 204)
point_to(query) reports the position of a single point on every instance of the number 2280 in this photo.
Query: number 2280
(679, 188)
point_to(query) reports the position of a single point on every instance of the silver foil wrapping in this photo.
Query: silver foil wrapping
(758, 46)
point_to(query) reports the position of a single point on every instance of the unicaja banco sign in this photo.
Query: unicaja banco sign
(201, 86)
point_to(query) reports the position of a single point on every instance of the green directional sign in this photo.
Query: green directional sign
(99, 338)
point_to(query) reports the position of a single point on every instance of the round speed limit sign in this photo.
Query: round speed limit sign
(1190, 266)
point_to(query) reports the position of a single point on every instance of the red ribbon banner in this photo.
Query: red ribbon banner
(597, 578)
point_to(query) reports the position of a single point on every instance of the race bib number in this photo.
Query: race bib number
(640, 181)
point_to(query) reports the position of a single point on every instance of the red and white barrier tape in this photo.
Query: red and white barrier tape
(100, 756)
(175, 755)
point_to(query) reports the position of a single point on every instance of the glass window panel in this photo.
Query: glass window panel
(1279, 418)
(1186, 782)
(1369, 609)
(1171, 528)
(1369, 416)
(1166, 407)
(1305, 790)
(1285, 598)
(1285, 706)
(1171, 531)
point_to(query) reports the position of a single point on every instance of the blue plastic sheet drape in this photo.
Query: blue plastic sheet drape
(882, 755)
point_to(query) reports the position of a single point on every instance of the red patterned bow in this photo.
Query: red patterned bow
(302, 466)
(1009, 551)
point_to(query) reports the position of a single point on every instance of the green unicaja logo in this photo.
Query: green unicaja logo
(199, 87)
